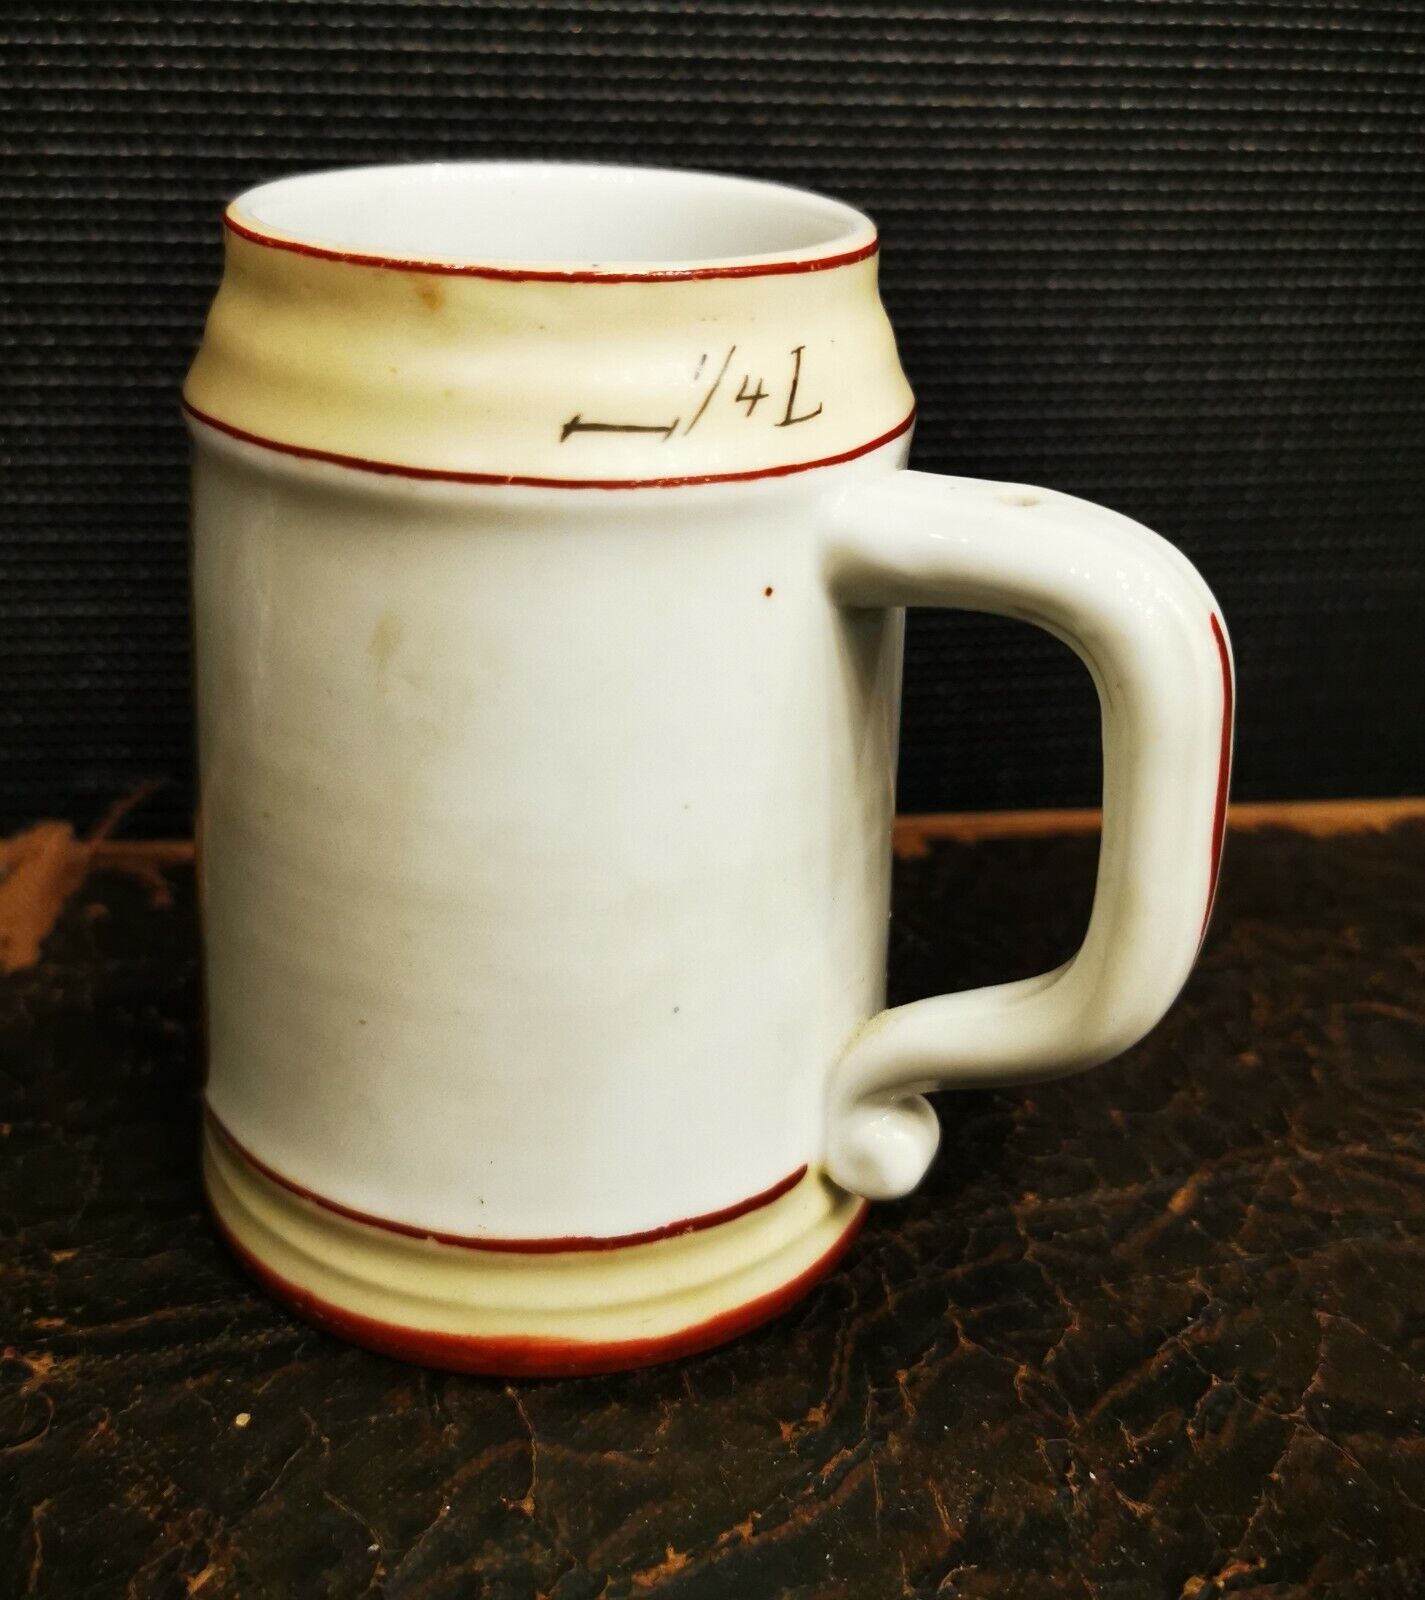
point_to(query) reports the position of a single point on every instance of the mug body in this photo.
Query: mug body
(545, 793)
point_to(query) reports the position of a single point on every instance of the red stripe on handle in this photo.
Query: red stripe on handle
(1224, 768)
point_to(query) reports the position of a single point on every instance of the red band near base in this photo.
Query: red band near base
(561, 1244)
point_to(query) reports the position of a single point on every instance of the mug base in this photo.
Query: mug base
(515, 1314)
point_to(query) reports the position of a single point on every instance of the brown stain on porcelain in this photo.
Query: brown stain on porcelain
(430, 292)
(385, 638)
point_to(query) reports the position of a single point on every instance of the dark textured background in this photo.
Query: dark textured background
(1168, 255)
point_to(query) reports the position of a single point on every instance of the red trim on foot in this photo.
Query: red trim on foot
(503, 480)
(512, 1357)
(454, 269)
(534, 1247)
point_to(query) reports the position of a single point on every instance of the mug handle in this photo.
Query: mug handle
(1141, 618)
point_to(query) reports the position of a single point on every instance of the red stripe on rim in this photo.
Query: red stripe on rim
(514, 1357)
(451, 269)
(535, 1247)
(1224, 768)
(392, 469)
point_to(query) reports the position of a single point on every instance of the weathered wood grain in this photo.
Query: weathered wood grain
(1157, 1332)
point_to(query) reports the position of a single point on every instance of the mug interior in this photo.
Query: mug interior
(497, 214)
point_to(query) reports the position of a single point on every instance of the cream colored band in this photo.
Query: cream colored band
(550, 381)
(642, 1292)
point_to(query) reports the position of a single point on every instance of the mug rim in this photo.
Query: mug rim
(832, 233)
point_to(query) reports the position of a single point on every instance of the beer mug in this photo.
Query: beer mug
(551, 540)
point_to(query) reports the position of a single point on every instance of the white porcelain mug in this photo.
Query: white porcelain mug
(551, 536)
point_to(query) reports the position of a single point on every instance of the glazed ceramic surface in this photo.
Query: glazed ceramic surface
(551, 535)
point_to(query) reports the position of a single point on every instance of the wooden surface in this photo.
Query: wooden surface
(1157, 1333)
